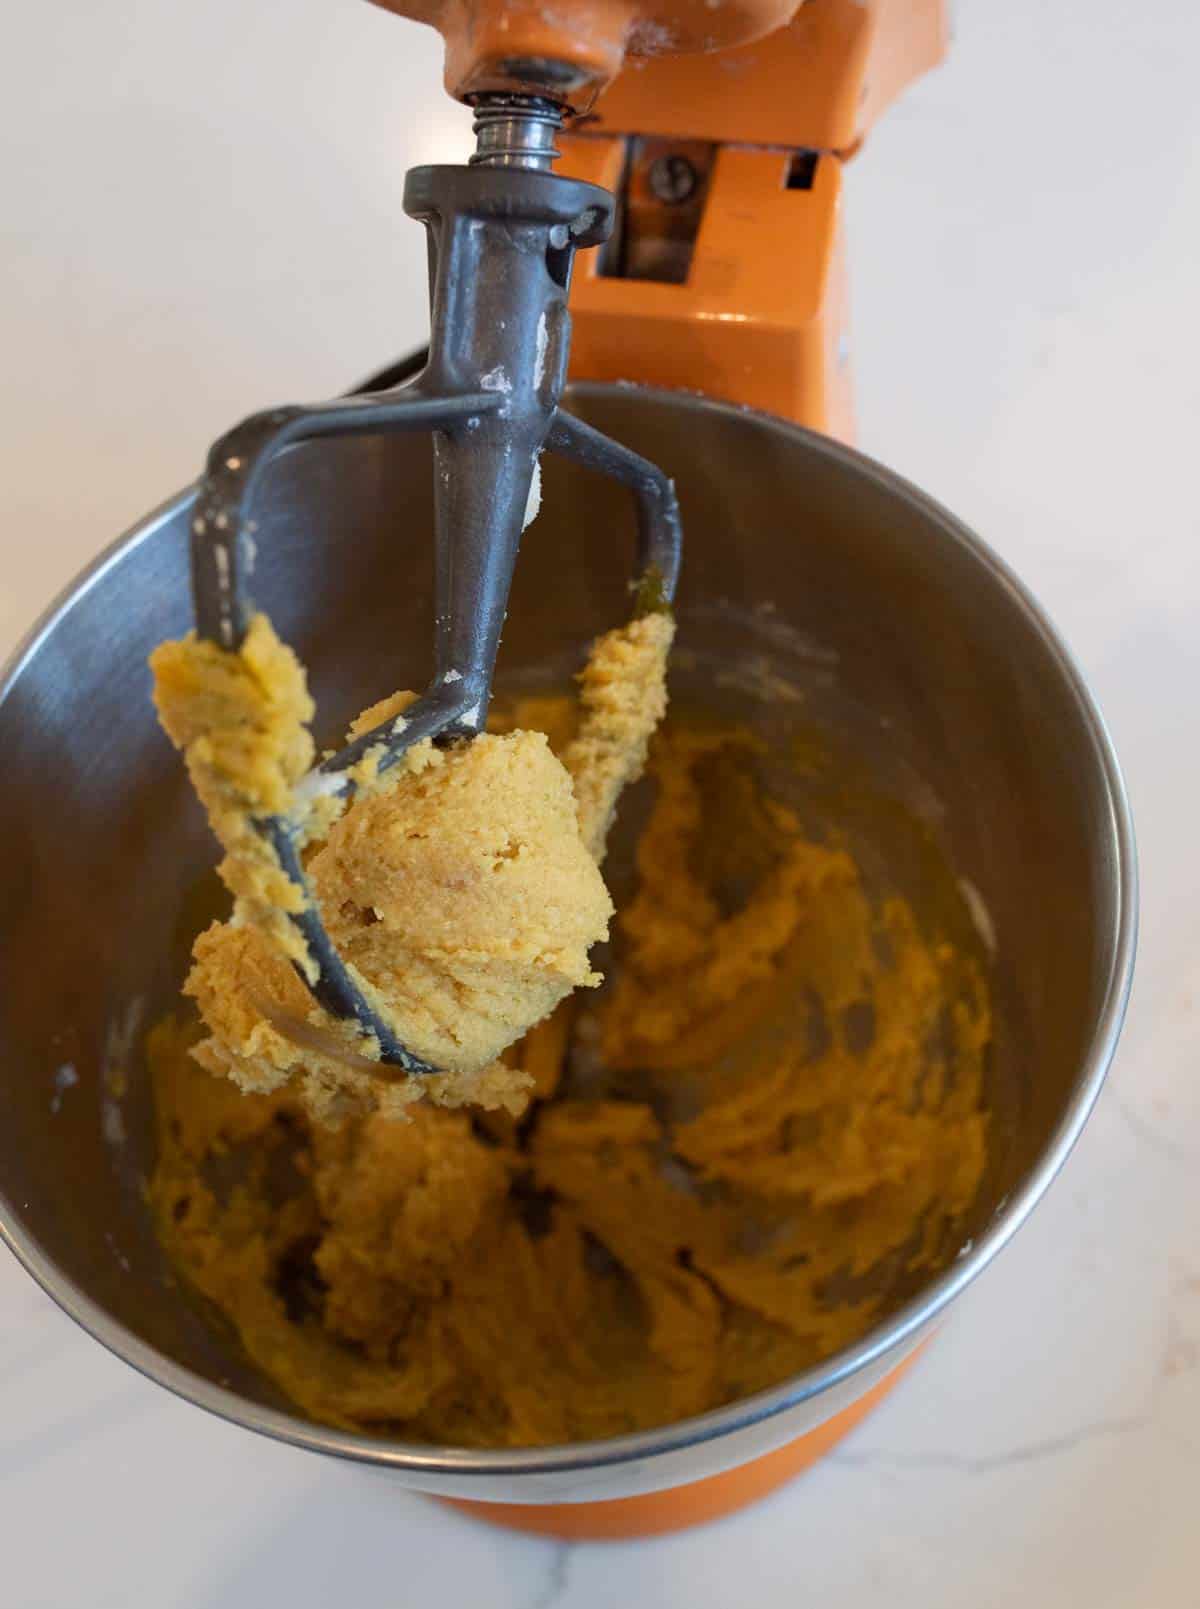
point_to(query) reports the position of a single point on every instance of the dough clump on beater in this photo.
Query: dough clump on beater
(462, 886)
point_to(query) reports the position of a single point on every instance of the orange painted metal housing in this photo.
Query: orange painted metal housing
(817, 83)
(573, 49)
(762, 317)
(765, 326)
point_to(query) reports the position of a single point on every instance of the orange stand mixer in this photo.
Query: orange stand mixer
(684, 293)
(703, 174)
(708, 175)
(721, 128)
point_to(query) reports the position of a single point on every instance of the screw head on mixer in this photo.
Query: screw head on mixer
(672, 178)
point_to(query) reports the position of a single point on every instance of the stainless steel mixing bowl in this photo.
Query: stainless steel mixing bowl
(809, 571)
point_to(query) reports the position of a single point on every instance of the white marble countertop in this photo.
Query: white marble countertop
(201, 216)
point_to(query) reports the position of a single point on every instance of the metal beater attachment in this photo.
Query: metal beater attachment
(503, 232)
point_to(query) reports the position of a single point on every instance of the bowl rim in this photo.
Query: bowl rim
(903, 1327)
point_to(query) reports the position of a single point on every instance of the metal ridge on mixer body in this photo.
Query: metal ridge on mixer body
(665, 1456)
(502, 234)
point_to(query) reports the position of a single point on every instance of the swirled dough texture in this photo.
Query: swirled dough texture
(765, 1135)
(462, 888)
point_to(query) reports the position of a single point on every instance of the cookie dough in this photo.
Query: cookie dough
(462, 887)
(763, 1136)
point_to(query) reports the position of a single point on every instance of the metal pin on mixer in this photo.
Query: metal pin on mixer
(502, 232)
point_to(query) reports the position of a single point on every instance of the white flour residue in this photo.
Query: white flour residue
(758, 678)
(541, 342)
(117, 1252)
(317, 785)
(64, 1079)
(980, 915)
(112, 1122)
(124, 1030)
(534, 501)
